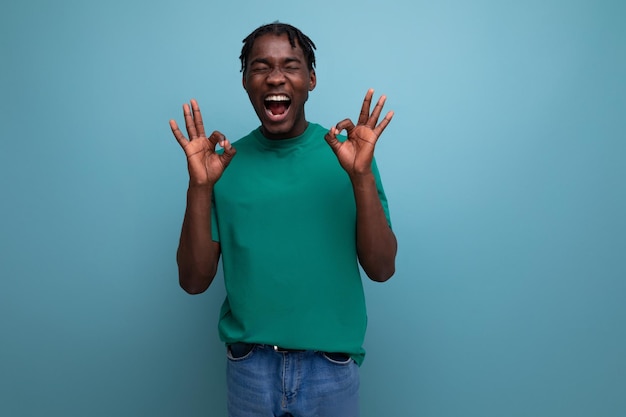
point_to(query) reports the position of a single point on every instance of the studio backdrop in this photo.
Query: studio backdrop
(504, 168)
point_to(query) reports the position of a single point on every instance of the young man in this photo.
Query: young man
(292, 211)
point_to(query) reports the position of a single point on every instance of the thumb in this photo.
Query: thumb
(229, 152)
(331, 139)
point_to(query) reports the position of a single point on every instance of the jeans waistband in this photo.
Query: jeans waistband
(241, 349)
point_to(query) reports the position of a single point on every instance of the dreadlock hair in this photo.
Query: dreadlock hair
(278, 28)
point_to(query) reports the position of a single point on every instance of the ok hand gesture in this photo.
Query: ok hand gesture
(205, 165)
(357, 152)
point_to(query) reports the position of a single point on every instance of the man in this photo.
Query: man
(290, 214)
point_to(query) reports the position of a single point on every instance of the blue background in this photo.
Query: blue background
(504, 168)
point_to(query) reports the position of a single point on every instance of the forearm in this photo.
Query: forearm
(197, 254)
(376, 242)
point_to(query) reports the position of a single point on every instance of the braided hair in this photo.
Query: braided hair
(294, 34)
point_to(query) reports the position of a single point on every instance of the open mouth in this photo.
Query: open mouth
(277, 105)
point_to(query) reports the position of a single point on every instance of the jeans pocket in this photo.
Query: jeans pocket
(239, 351)
(337, 358)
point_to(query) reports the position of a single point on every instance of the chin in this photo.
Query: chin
(282, 131)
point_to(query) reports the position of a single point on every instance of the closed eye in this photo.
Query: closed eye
(259, 68)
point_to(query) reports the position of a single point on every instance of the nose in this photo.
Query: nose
(276, 76)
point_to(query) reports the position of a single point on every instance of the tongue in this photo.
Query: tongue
(277, 107)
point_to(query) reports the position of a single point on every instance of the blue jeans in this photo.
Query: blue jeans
(265, 383)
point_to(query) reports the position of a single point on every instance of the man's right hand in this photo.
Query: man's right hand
(205, 165)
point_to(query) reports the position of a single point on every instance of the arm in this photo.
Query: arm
(198, 254)
(376, 242)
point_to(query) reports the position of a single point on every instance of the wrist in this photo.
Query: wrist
(364, 179)
(199, 186)
(361, 176)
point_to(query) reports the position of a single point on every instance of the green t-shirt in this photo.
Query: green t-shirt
(285, 217)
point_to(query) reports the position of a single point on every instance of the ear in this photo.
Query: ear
(243, 82)
(312, 80)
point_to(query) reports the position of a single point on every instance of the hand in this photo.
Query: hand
(357, 152)
(205, 165)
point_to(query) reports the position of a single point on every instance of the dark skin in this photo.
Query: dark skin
(275, 68)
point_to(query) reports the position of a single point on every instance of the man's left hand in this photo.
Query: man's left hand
(357, 152)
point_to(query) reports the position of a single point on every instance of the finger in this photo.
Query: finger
(180, 138)
(345, 124)
(383, 123)
(365, 108)
(331, 138)
(229, 152)
(378, 108)
(197, 118)
(189, 123)
(217, 138)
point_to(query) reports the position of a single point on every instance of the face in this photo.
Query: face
(278, 81)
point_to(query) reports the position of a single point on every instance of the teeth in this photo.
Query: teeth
(277, 98)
